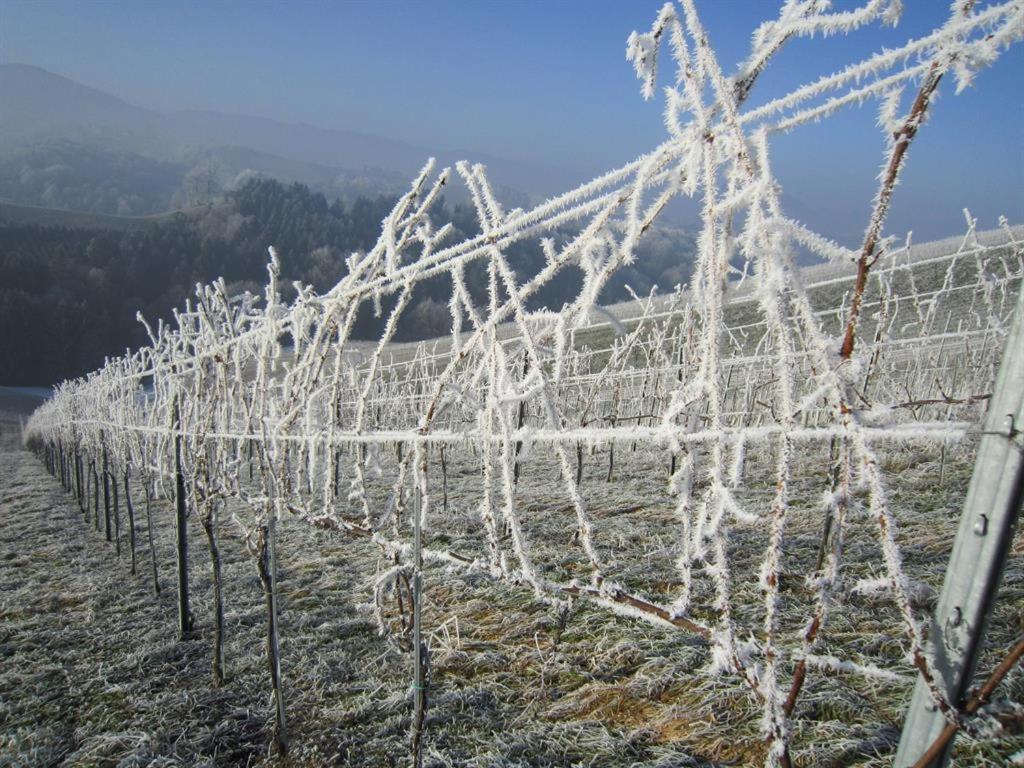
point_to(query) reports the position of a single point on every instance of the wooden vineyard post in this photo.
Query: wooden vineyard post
(181, 526)
(83, 501)
(106, 492)
(444, 479)
(957, 630)
(208, 519)
(117, 513)
(419, 693)
(520, 421)
(78, 480)
(579, 463)
(267, 565)
(95, 495)
(612, 421)
(131, 514)
(147, 490)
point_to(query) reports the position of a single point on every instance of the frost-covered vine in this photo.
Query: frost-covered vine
(275, 413)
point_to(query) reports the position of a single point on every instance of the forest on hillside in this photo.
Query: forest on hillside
(69, 295)
(83, 176)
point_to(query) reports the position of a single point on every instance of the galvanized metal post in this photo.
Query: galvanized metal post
(975, 568)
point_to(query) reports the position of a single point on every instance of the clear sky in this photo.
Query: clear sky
(543, 82)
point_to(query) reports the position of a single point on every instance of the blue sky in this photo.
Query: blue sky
(543, 82)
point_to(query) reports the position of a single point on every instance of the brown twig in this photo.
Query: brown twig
(977, 701)
(868, 257)
(946, 400)
(617, 597)
(903, 137)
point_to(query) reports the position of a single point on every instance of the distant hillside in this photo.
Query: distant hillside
(43, 111)
(28, 215)
(71, 283)
(40, 105)
(63, 174)
(66, 175)
(21, 400)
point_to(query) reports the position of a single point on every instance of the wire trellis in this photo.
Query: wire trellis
(273, 405)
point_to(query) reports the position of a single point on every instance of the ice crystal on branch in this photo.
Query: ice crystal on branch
(275, 407)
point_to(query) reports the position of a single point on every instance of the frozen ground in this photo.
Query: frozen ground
(93, 673)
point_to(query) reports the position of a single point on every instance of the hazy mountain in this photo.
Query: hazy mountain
(87, 182)
(41, 108)
(39, 105)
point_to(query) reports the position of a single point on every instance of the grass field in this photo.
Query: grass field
(93, 673)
